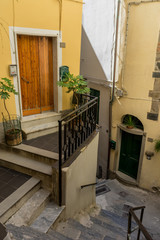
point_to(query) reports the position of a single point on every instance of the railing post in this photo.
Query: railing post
(60, 163)
(141, 218)
(129, 226)
(96, 113)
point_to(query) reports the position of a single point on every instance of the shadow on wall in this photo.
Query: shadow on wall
(90, 66)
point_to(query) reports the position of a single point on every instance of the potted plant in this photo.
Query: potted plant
(129, 122)
(75, 84)
(157, 145)
(11, 123)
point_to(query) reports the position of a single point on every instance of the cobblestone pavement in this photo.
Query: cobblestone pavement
(120, 197)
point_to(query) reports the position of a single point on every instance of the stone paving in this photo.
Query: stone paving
(121, 196)
(106, 221)
(48, 142)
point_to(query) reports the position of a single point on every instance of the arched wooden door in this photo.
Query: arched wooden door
(36, 73)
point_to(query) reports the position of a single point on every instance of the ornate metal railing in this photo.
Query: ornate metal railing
(139, 226)
(74, 129)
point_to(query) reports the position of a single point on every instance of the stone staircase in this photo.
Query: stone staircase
(94, 224)
(33, 161)
(39, 125)
(17, 199)
(104, 226)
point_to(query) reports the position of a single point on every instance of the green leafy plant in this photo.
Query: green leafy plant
(157, 145)
(6, 87)
(75, 84)
(129, 121)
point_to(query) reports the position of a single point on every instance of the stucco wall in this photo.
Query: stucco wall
(139, 64)
(99, 18)
(41, 14)
(81, 172)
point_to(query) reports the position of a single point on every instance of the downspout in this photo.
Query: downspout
(113, 87)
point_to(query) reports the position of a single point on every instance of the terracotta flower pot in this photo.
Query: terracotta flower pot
(130, 127)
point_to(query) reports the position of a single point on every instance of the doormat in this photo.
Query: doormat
(102, 189)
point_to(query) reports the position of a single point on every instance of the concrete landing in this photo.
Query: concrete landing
(48, 142)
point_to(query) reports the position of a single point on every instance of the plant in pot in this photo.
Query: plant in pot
(129, 121)
(157, 145)
(75, 84)
(11, 123)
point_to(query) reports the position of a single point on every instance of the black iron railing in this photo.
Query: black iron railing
(74, 129)
(139, 226)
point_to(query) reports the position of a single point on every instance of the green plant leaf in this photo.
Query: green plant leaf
(157, 145)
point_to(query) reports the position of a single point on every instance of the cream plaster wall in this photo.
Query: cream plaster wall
(41, 14)
(81, 172)
(136, 79)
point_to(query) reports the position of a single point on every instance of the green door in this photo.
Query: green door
(96, 93)
(130, 153)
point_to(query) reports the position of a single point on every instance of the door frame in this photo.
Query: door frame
(13, 32)
(103, 126)
(120, 128)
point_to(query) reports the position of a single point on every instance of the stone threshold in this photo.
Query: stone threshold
(126, 179)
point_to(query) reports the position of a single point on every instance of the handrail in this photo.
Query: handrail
(78, 109)
(74, 128)
(140, 226)
(88, 185)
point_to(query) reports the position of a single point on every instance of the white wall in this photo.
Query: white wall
(99, 19)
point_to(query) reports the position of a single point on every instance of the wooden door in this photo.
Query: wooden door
(36, 73)
(130, 154)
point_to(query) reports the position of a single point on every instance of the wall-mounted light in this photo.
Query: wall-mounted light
(13, 70)
(149, 154)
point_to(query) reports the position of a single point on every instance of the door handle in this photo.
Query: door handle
(25, 80)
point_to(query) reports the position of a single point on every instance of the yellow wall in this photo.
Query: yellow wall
(139, 63)
(71, 34)
(42, 14)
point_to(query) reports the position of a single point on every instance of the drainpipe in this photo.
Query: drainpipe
(113, 87)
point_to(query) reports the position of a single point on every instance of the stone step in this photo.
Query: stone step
(40, 130)
(31, 209)
(48, 217)
(52, 233)
(107, 221)
(95, 230)
(67, 230)
(108, 229)
(86, 232)
(27, 233)
(34, 153)
(38, 119)
(15, 201)
(114, 218)
(26, 165)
